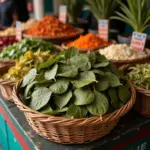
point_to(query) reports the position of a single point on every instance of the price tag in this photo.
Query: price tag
(103, 29)
(138, 41)
(63, 13)
(18, 31)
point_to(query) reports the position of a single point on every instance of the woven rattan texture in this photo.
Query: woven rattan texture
(72, 131)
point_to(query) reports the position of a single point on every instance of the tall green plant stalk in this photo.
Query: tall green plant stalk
(74, 8)
(136, 14)
(102, 9)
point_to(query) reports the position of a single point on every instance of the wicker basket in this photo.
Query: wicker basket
(5, 65)
(6, 86)
(72, 131)
(57, 39)
(120, 63)
(142, 104)
(64, 46)
(6, 89)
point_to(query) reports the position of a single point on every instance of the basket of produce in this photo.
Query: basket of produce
(18, 49)
(11, 31)
(25, 63)
(88, 42)
(4, 67)
(139, 75)
(122, 54)
(50, 28)
(6, 41)
(74, 97)
(17, 72)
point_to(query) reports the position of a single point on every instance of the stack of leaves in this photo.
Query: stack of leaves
(75, 85)
(25, 64)
(140, 75)
(18, 49)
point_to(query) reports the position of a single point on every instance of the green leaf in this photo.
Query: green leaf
(112, 78)
(60, 86)
(81, 62)
(40, 77)
(85, 78)
(70, 52)
(51, 73)
(102, 85)
(47, 64)
(27, 93)
(103, 64)
(29, 77)
(98, 71)
(48, 110)
(92, 57)
(62, 100)
(100, 105)
(67, 71)
(40, 98)
(83, 96)
(124, 93)
(77, 111)
(114, 98)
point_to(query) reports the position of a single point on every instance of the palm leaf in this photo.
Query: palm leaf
(136, 14)
(103, 9)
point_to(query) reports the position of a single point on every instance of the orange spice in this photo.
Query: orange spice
(51, 26)
(89, 41)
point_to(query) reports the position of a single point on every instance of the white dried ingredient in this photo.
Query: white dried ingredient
(121, 52)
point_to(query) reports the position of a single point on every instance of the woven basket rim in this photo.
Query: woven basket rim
(93, 120)
(2, 81)
(85, 50)
(139, 89)
(79, 32)
(147, 50)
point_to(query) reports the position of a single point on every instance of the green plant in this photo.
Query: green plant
(74, 8)
(75, 85)
(136, 14)
(103, 9)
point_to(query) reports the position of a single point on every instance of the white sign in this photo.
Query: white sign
(18, 31)
(63, 13)
(103, 29)
(138, 41)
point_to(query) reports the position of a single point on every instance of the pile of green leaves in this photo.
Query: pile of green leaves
(75, 85)
(18, 49)
(140, 75)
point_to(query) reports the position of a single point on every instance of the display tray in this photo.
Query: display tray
(64, 46)
(132, 132)
(56, 39)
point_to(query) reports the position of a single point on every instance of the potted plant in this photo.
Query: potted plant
(74, 9)
(136, 14)
(104, 9)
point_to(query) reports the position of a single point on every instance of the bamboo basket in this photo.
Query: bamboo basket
(142, 104)
(64, 46)
(57, 39)
(6, 86)
(71, 131)
(120, 63)
(6, 89)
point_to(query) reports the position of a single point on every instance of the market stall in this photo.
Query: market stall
(64, 88)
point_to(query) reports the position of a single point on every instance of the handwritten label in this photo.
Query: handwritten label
(63, 13)
(103, 29)
(18, 31)
(138, 41)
